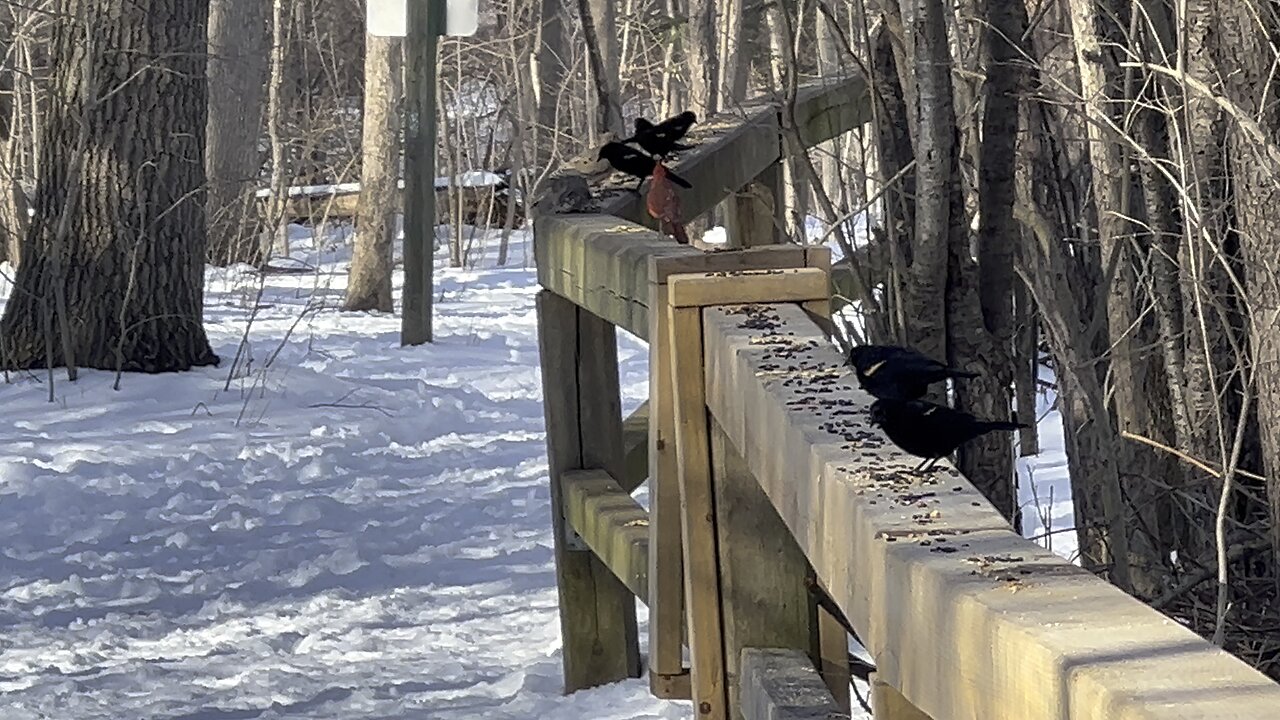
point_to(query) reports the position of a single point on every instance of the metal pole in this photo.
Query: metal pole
(425, 24)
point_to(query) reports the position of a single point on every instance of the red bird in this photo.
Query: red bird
(663, 204)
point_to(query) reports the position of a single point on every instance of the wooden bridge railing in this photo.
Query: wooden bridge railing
(766, 479)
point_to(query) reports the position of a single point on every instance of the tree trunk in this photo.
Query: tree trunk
(134, 240)
(1245, 61)
(238, 50)
(609, 108)
(700, 57)
(277, 222)
(369, 287)
(935, 168)
(553, 61)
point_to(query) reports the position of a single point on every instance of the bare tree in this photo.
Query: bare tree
(369, 287)
(238, 50)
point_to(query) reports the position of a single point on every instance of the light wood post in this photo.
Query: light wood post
(668, 678)
(584, 431)
(698, 518)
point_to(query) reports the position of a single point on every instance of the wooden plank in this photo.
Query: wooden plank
(666, 556)
(597, 612)
(765, 600)
(744, 286)
(964, 617)
(635, 448)
(888, 704)
(612, 524)
(697, 513)
(781, 684)
(604, 264)
(741, 145)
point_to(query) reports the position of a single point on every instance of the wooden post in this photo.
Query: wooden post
(668, 677)
(697, 505)
(762, 570)
(755, 211)
(888, 704)
(584, 431)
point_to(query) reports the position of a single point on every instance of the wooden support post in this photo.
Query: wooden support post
(584, 431)
(668, 677)
(697, 505)
(635, 444)
(765, 600)
(755, 212)
(888, 704)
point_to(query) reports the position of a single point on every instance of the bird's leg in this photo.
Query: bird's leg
(919, 466)
(638, 184)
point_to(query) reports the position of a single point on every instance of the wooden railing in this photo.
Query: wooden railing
(765, 479)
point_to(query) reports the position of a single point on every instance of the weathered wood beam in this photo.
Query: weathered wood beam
(964, 617)
(635, 448)
(746, 143)
(605, 264)
(613, 525)
(781, 684)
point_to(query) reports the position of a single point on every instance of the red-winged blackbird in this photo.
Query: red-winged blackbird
(891, 372)
(634, 163)
(931, 431)
(664, 138)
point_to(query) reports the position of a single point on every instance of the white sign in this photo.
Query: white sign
(390, 18)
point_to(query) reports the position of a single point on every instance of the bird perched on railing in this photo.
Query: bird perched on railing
(635, 163)
(664, 138)
(892, 372)
(931, 431)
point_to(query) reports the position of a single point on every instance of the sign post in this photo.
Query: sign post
(421, 23)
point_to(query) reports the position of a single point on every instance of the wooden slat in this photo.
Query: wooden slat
(964, 617)
(701, 571)
(584, 429)
(781, 684)
(666, 557)
(613, 525)
(635, 448)
(744, 286)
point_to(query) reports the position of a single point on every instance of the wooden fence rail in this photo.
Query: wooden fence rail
(766, 479)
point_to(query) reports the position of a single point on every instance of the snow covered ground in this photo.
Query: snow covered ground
(340, 528)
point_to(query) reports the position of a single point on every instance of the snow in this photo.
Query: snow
(470, 178)
(338, 527)
(351, 530)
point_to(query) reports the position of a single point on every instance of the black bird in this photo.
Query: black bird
(634, 163)
(890, 372)
(931, 431)
(664, 138)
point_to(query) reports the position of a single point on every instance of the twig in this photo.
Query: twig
(1191, 581)
(1188, 458)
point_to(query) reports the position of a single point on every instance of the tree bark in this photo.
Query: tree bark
(369, 287)
(238, 50)
(935, 167)
(608, 107)
(135, 241)
(700, 57)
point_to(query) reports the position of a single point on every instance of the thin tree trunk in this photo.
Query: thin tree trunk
(608, 115)
(277, 222)
(238, 50)
(369, 287)
(700, 57)
(135, 245)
